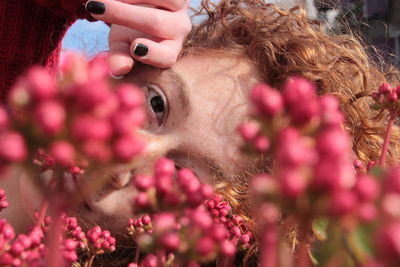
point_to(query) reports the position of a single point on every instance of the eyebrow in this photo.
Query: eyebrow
(183, 90)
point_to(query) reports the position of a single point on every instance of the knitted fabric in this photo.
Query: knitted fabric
(30, 33)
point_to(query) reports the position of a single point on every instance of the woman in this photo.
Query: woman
(195, 106)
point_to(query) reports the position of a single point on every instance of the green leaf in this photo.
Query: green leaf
(319, 227)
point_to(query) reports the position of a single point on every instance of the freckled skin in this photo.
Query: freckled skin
(218, 85)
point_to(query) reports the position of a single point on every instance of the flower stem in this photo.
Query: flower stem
(42, 213)
(137, 255)
(386, 140)
(90, 262)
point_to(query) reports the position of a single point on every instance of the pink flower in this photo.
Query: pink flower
(342, 202)
(126, 147)
(50, 116)
(87, 127)
(267, 100)
(12, 147)
(367, 188)
(129, 96)
(292, 182)
(249, 130)
(42, 85)
(170, 241)
(165, 167)
(63, 153)
(204, 246)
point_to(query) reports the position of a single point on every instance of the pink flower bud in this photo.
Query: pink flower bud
(12, 147)
(165, 167)
(4, 119)
(149, 261)
(358, 164)
(267, 100)
(292, 183)
(90, 94)
(142, 200)
(170, 241)
(63, 153)
(387, 242)
(300, 99)
(218, 232)
(143, 182)
(392, 180)
(367, 212)
(245, 238)
(42, 85)
(146, 219)
(330, 113)
(201, 218)
(261, 143)
(298, 89)
(228, 249)
(293, 150)
(50, 116)
(97, 151)
(385, 88)
(269, 213)
(367, 188)
(393, 97)
(249, 130)
(126, 122)
(333, 143)
(126, 147)
(204, 246)
(391, 204)
(87, 127)
(164, 222)
(163, 184)
(129, 96)
(342, 202)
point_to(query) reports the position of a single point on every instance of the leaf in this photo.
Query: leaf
(319, 227)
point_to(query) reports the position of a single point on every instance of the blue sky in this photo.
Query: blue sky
(90, 38)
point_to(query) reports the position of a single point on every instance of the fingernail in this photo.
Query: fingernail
(116, 77)
(95, 7)
(141, 50)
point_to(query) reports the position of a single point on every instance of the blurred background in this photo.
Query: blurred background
(376, 22)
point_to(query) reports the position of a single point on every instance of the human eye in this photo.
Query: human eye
(157, 103)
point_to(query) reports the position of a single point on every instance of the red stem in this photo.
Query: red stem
(42, 213)
(91, 259)
(137, 254)
(45, 204)
(55, 258)
(386, 141)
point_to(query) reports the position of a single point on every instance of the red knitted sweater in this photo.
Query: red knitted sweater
(31, 33)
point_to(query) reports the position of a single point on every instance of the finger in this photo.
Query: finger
(161, 55)
(119, 58)
(172, 5)
(156, 22)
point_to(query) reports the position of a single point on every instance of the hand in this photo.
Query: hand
(152, 34)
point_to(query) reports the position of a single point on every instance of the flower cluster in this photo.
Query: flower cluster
(79, 118)
(3, 200)
(186, 223)
(24, 250)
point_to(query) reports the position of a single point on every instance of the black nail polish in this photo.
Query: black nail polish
(141, 50)
(95, 7)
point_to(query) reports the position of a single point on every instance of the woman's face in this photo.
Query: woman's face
(193, 110)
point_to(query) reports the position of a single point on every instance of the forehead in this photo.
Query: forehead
(218, 91)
